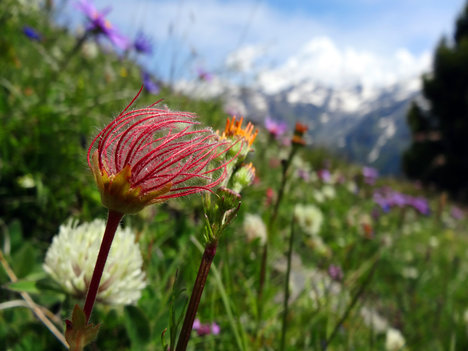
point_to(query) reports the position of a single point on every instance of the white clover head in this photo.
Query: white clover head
(309, 218)
(254, 228)
(72, 255)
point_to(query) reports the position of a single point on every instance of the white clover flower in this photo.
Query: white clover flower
(373, 319)
(309, 218)
(394, 340)
(319, 196)
(254, 228)
(72, 255)
(328, 191)
(410, 272)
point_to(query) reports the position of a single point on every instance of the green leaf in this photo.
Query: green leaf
(24, 259)
(28, 286)
(48, 284)
(137, 325)
(78, 333)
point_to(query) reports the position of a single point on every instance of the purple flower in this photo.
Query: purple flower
(370, 175)
(31, 33)
(388, 198)
(324, 175)
(303, 174)
(99, 25)
(205, 329)
(456, 213)
(275, 128)
(149, 84)
(142, 44)
(204, 75)
(335, 272)
(382, 201)
(397, 199)
(420, 204)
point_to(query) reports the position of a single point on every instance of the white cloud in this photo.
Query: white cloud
(336, 46)
(243, 60)
(321, 60)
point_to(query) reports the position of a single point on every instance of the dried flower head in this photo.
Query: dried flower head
(71, 257)
(149, 155)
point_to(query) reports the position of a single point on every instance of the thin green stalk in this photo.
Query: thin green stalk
(270, 226)
(286, 288)
(241, 342)
(197, 291)
(351, 305)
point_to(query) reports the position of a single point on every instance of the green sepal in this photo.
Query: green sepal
(117, 193)
(220, 212)
(78, 333)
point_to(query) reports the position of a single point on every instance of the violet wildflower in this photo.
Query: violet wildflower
(456, 213)
(420, 204)
(324, 175)
(397, 199)
(205, 329)
(142, 44)
(149, 84)
(204, 74)
(31, 33)
(370, 175)
(99, 25)
(304, 174)
(275, 128)
(335, 272)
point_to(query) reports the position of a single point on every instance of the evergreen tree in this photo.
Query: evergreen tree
(439, 152)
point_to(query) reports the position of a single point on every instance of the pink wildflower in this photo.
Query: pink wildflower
(149, 155)
(275, 128)
(205, 329)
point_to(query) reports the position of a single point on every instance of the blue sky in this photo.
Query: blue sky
(336, 41)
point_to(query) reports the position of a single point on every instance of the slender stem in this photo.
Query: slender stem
(32, 305)
(353, 302)
(286, 288)
(197, 291)
(270, 227)
(113, 221)
(79, 43)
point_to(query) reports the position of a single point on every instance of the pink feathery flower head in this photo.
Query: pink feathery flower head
(149, 155)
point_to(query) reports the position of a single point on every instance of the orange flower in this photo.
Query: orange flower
(234, 129)
(299, 131)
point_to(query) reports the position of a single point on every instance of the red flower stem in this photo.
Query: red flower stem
(198, 286)
(113, 220)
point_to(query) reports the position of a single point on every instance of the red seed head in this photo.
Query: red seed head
(150, 155)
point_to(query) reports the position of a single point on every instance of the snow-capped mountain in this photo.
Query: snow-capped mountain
(363, 124)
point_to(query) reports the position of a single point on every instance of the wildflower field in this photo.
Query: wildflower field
(221, 235)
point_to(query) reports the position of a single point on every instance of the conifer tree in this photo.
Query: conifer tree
(438, 154)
